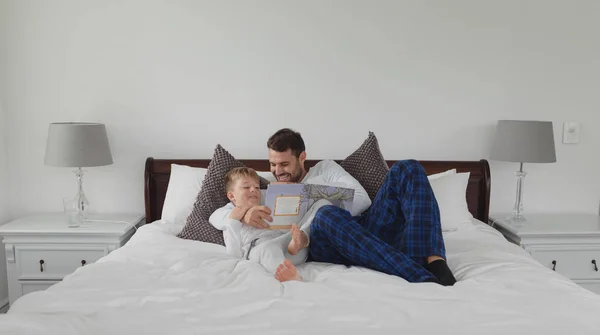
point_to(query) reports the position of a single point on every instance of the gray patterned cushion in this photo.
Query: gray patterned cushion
(367, 165)
(210, 198)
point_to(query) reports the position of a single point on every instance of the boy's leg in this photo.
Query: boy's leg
(405, 213)
(270, 254)
(337, 237)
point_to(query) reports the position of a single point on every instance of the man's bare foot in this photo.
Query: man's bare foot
(299, 240)
(286, 271)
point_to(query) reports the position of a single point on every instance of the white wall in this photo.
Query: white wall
(4, 213)
(171, 79)
(4, 186)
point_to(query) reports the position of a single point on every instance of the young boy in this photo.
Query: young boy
(278, 251)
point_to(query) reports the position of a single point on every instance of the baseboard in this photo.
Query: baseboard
(4, 306)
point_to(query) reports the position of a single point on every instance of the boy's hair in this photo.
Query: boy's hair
(285, 139)
(236, 173)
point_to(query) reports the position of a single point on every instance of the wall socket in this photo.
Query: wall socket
(571, 132)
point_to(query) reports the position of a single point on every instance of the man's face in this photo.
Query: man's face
(286, 167)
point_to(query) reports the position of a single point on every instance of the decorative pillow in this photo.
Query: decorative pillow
(211, 197)
(367, 165)
(185, 183)
(450, 192)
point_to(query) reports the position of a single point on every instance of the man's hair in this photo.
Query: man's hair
(236, 173)
(286, 139)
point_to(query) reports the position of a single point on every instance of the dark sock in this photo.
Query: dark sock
(441, 271)
(432, 280)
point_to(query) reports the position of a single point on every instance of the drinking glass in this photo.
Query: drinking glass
(73, 215)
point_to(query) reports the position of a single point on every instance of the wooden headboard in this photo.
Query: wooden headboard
(157, 174)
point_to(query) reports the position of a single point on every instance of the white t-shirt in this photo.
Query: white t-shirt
(238, 236)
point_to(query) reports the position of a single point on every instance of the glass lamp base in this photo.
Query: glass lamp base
(517, 215)
(83, 204)
(516, 219)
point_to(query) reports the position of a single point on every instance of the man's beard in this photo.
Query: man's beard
(293, 177)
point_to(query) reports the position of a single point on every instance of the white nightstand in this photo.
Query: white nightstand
(41, 249)
(567, 243)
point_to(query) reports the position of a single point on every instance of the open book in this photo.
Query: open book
(289, 202)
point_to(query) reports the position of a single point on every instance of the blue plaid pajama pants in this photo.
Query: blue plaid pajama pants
(395, 235)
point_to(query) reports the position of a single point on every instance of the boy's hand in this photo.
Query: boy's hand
(256, 215)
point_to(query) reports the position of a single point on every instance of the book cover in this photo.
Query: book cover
(289, 202)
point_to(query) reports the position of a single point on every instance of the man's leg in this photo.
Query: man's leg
(301, 236)
(337, 237)
(405, 214)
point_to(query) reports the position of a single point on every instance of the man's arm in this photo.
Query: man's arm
(254, 216)
(335, 174)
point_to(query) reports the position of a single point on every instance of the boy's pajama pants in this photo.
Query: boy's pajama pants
(395, 235)
(272, 252)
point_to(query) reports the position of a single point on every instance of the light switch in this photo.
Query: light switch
(571, 132)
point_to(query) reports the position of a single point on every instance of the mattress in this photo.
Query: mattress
(160, 284)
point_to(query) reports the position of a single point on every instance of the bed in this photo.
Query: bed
(161, 284)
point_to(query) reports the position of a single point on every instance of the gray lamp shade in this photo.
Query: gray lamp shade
(72, 144)
(524, 142)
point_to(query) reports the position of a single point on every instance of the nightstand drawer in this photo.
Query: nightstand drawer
(573, 264)
(53, 262)
(34, 286)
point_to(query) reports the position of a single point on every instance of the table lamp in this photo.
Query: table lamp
(523, 142)
(76, 144)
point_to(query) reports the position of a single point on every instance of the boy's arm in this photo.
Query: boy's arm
(233, 238)
(220, 218)
(227, 219)
(335, 174)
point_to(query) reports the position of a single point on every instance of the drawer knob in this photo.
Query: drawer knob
(595, 266)
(83, 262)
(553, 265)
(41, 265)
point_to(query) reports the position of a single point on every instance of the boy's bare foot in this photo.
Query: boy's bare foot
(299, 240)
(286, 271)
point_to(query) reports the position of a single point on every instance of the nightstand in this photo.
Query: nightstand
(41, 249)
(566, 243)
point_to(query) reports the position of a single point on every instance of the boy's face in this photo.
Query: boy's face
(245, 192)
(286, 167)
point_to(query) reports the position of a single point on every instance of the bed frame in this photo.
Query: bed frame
(157, 174)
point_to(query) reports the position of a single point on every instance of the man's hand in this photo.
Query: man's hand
(256, 215)
(238, 212)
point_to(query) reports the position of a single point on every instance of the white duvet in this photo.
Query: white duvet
(160, 284)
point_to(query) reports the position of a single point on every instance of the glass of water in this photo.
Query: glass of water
(73, 215)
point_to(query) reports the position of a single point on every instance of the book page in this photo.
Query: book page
(290, 202)
(287, 205)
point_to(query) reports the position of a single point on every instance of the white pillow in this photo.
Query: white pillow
(268, 175)
(185, 183)
(451, 194)
(441, 174)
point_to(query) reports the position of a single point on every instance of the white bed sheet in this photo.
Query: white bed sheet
(160, 284)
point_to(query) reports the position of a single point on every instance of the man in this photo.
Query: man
(399, 233)
(287, 165)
